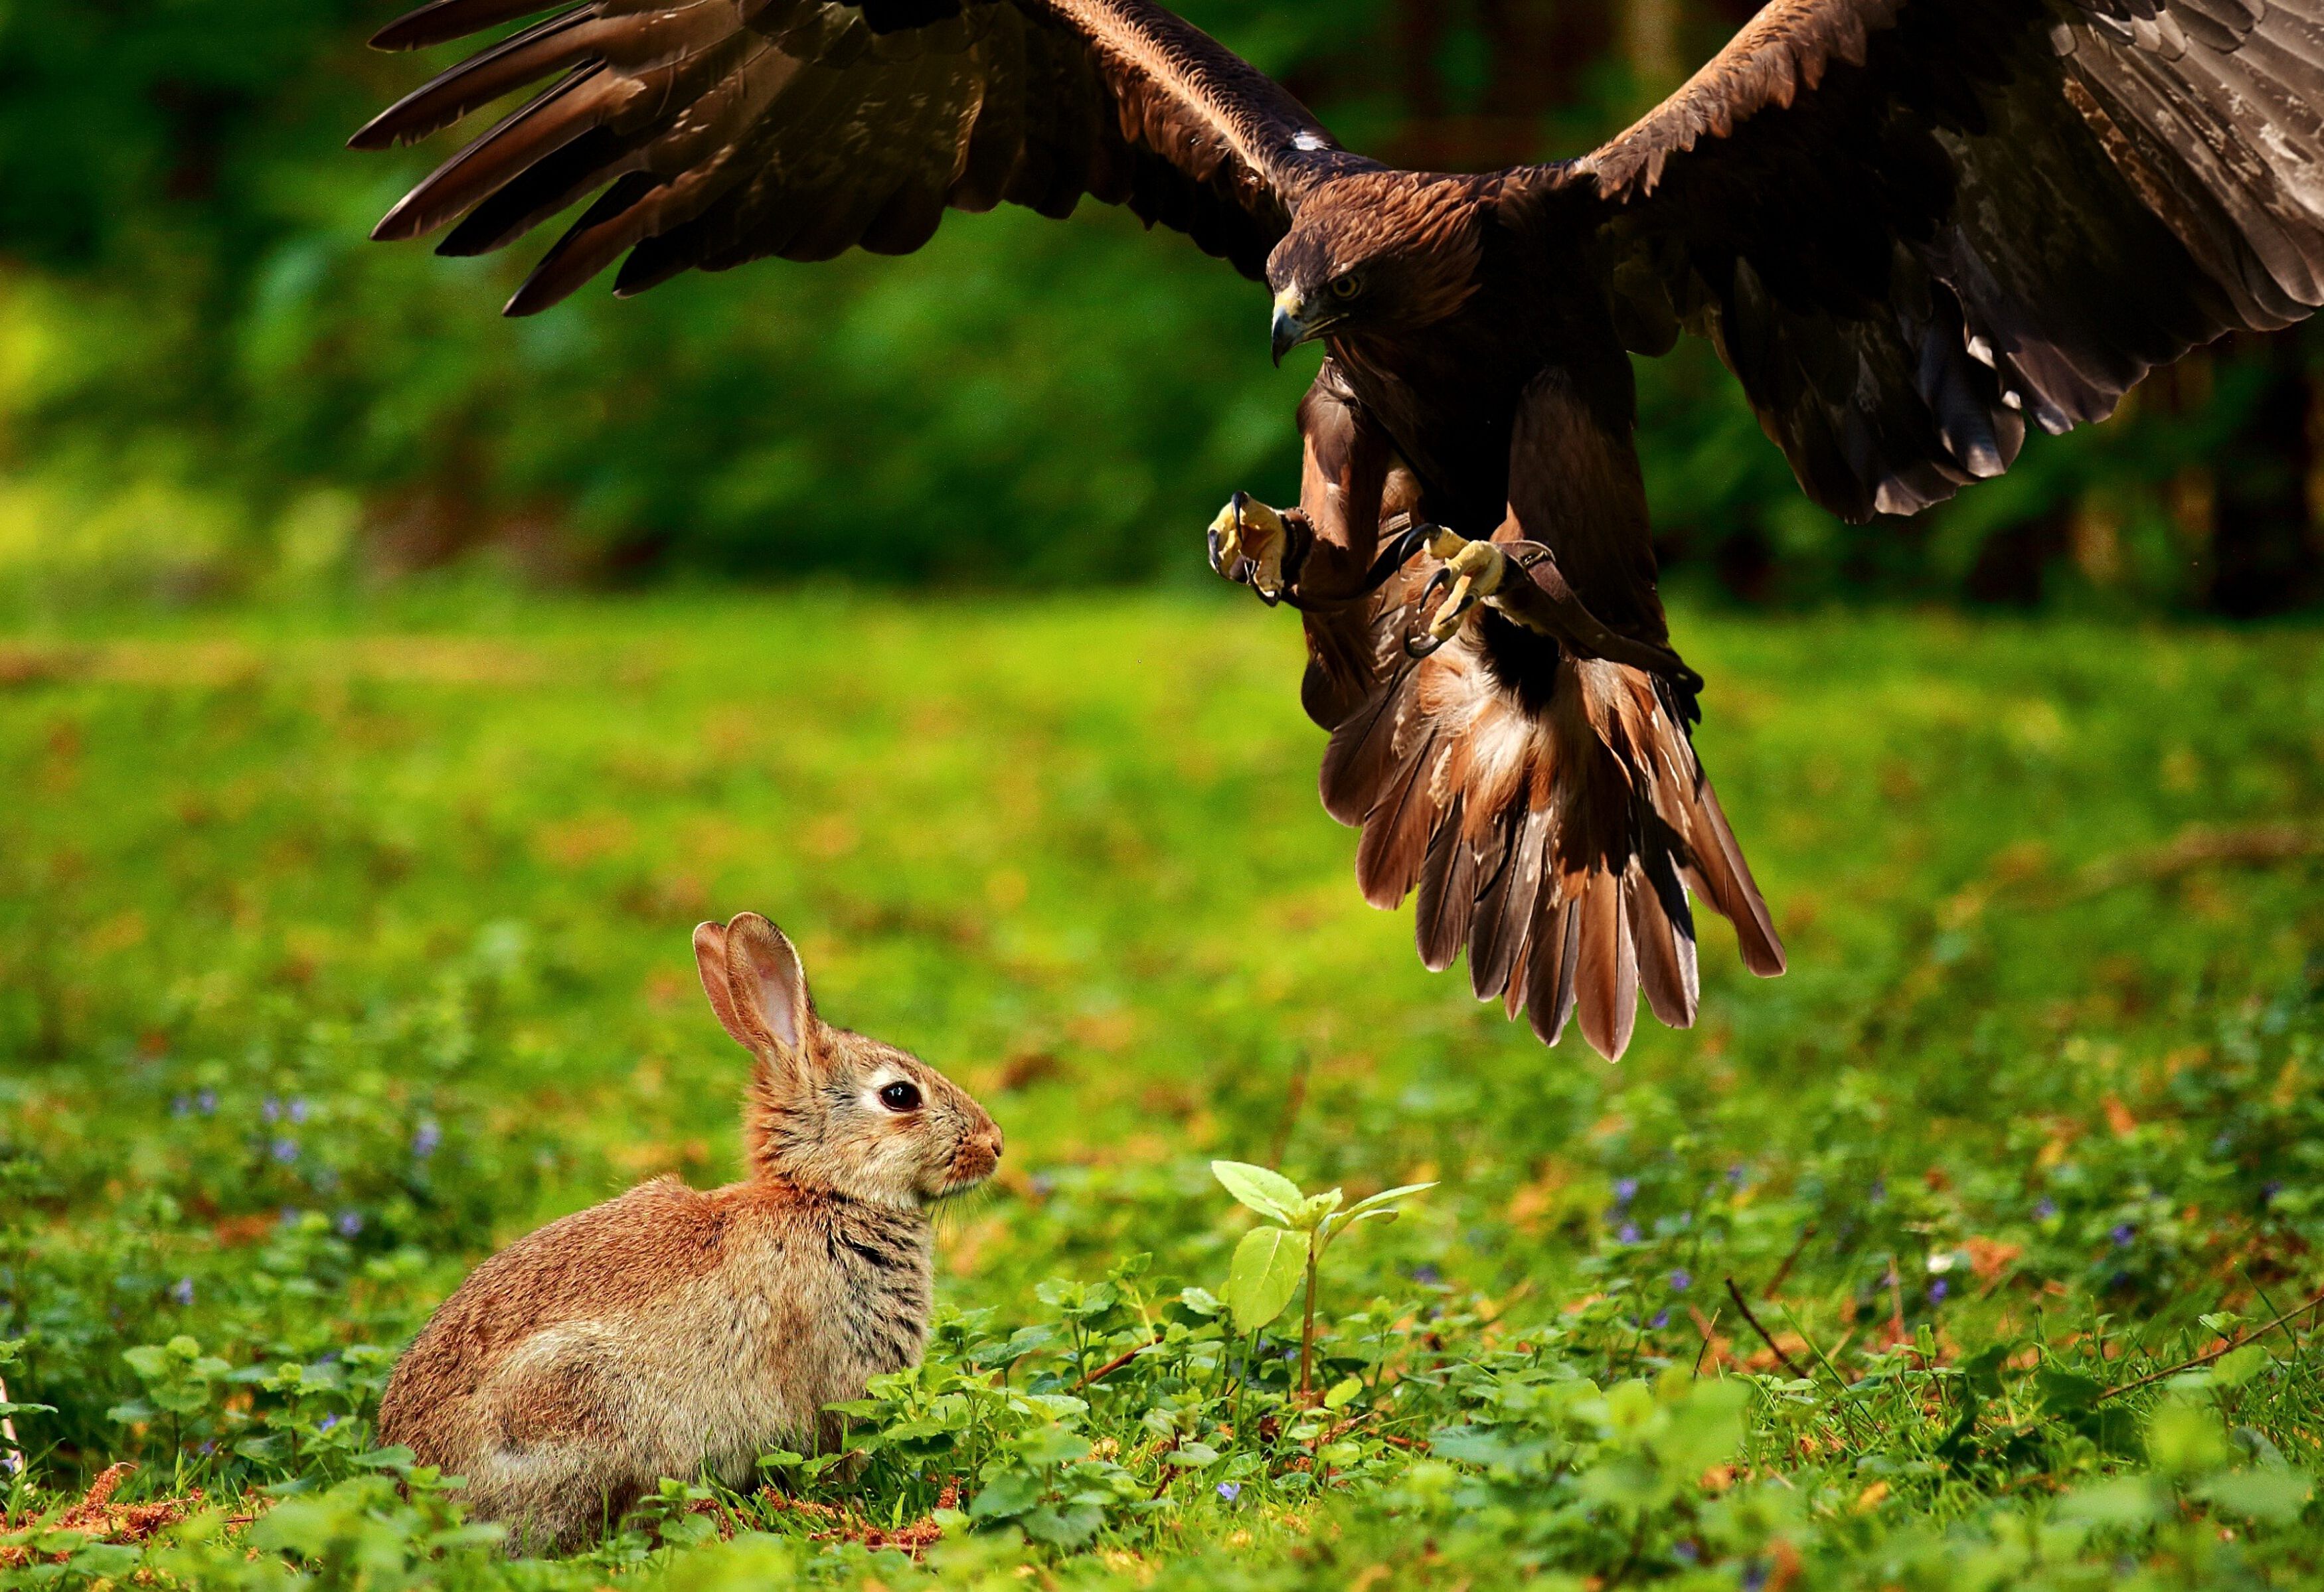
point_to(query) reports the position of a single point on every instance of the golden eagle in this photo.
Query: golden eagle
(1911, 227)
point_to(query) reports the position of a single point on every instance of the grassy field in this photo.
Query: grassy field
(336, 950)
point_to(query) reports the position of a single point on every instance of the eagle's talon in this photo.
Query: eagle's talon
(1438, 582)
(1247, 543)
(1473, 571)
(1224, 539)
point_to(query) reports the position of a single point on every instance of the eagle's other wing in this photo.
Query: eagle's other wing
(715, 131)
(1912, 224)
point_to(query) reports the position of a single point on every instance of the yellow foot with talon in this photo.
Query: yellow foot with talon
(1473, 571)
(1247, 544)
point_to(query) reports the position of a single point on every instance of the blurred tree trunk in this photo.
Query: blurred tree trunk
(1536, 54)
(1420, 28)
(1579, 31)
(1651, 45)
(2265, 552)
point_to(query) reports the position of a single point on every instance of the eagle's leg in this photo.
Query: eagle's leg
(1530, 590)
(1258, 547)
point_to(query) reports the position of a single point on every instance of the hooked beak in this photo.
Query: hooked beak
(1290, 327)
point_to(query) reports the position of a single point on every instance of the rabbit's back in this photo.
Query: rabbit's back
(663, 1333)
(606, 1263)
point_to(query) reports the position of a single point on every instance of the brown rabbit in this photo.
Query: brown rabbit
(671, 1332)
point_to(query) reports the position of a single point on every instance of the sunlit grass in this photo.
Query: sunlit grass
(2051, 894)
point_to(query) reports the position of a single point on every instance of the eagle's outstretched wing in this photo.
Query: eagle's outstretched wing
(1911, 226)
(715, 131)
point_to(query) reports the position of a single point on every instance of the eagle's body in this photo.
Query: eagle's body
(1910, 226)
(1447, 397)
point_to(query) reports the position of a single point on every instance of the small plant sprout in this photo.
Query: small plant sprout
(1270, 1261)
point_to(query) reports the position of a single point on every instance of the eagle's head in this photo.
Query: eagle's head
(1376, 253)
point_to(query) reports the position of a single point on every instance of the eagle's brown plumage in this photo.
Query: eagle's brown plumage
(1911, 227)
(719, 131)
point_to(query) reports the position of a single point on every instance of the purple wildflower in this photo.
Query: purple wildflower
(1626, 1189)
(270, 1109)
(206, 1102)
(1682, 1280)
(1736, 1174)
(2123, 1234)
(182, 1291)
(350, 1223)
(285, 1150)
(1426, 1274)
(182, 1106)
(425, 1137)
(1938, 1290)
(2045, 1209)
(326, 1422)
(1629, 1233)
(1755, 1574)
(1661, 1318)
(2270, 1190)
(298, 1109)
(1229, 1490)
(1042, 1183)
(1686, 1552)
(1879, 1190)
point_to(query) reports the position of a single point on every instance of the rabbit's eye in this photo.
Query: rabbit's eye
(900, 1097)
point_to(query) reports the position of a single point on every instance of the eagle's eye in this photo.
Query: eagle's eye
(1347, 285)
(900, 1097)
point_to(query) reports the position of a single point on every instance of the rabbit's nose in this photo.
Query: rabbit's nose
(977, 1157)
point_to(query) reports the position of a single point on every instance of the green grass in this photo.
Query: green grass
(335, 950)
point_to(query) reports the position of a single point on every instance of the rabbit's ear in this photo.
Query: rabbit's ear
(766, 1005)
(710, 961)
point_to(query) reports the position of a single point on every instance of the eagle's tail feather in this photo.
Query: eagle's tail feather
(1665, 936)
(1721, 876)
(1556, 831)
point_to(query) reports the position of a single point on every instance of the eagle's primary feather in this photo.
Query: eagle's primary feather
(720, 131)
(1910, 226)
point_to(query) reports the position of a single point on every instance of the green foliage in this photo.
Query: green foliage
(1271, 1263)
(1595, 1481)
(12, 1349)
(335, 952)
(1268, 1266)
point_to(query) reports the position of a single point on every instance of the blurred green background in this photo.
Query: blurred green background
(211, 384)
(345, 887)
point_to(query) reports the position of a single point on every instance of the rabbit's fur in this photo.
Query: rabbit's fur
(671, 1332)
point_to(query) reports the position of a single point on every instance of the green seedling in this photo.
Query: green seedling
(1270, 1261)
